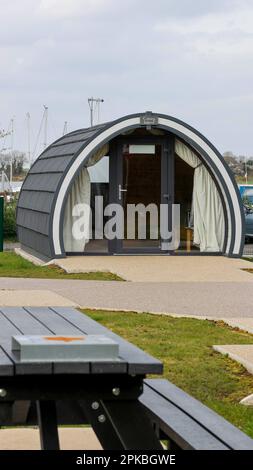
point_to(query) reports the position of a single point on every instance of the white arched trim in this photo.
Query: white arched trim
(183, 130)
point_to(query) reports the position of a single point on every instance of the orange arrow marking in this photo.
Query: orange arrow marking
(63, 338)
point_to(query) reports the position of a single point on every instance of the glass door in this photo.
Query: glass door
(144, 190)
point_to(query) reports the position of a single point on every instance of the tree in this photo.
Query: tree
(16, 158)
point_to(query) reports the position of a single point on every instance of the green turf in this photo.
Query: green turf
(184, 345)
(12, 265)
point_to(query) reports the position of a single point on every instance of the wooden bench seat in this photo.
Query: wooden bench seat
(186, 423)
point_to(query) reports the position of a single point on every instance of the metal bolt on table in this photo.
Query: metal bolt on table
(95, 405)
(101, 418)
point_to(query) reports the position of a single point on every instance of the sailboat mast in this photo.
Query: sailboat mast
(65, 128)
(12, 147)
(28, 122)
(45, 125)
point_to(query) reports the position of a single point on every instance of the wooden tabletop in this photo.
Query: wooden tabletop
(65, 321)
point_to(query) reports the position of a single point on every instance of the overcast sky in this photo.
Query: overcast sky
(192, 59)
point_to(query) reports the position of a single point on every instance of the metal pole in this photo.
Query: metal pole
(45, 125)
(65, 128)
(91, 114)
(91, 105)
(1, 223)
(28, 138)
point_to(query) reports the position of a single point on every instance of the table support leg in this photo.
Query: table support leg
(47, 421)
(101, 425)
(132, 425)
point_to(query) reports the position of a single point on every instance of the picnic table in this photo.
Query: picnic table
(101, 393)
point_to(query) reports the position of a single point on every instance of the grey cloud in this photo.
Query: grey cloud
(118, 53)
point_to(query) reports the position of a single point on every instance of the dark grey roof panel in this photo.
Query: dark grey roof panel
(35, 200)
(33, 220)
(93, 129)
(34, 240)
(63, 149)
(45, 182)
(66, 149)
(56, 164)
(75, 138)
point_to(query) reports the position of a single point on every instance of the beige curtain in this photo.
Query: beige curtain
(208, 217)
(80, 194)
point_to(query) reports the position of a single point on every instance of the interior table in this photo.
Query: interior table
(101, 393)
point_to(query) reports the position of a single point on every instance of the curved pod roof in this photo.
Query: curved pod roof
(42, 199)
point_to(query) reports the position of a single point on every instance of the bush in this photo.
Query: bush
(10, 230)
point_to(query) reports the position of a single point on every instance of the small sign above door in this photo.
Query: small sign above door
(149, 119)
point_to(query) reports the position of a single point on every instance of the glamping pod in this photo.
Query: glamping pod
(107, 189)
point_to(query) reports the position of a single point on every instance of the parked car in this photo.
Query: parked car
(246, 192)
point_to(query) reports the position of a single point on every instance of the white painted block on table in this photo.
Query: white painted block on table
(60, 348)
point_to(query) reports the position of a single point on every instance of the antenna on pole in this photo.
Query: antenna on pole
(45, 125)
(94, 104)
(28, 121)
(65, 128)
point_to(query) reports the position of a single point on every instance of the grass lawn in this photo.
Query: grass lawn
(12, 265)
(249, 270)
(184, 345)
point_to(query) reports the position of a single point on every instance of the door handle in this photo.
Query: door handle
(167, 196)
(121, 190)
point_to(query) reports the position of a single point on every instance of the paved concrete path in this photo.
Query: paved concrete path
(213, 299)
(28, 439)
(163, 268)
(242, 353)
(33, 298)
